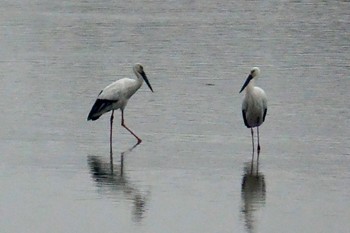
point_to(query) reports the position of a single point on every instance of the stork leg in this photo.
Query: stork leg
(258, 142)
(123, 124)
(122, 164)
(252, 132)
(110, 135)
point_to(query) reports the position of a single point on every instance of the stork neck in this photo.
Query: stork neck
(249, 88)
(139, 79)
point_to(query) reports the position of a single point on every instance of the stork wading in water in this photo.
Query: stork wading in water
(254, 105)
(115, 96)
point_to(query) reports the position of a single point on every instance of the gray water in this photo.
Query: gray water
(192, 172)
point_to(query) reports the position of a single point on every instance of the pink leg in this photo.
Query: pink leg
(258, 142)
(252, 132)
(110, 136)
(138, 139)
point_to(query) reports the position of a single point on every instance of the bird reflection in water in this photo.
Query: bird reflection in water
(253, 194)
(112, 181)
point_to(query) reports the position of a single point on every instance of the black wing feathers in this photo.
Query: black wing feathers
(245, 119)
(265, 111)
(98, 107)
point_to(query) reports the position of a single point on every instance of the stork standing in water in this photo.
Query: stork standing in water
(254, 105)
(115, 96)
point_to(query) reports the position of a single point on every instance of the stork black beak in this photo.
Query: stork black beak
(250, 77)
(146, 80)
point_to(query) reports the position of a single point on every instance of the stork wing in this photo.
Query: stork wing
(245, 119)
(100, 107)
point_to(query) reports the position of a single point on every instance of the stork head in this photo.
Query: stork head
(254, 73)
(138, 69)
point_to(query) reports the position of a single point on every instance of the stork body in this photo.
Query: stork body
(115, 96)
(254, 105)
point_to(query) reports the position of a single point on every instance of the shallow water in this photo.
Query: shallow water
(192, 172)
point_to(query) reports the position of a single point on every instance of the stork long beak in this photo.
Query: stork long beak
(250, 77)
(146, 80)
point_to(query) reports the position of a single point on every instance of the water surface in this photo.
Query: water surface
(192, 173)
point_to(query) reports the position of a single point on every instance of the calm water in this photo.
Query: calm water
(192, 171)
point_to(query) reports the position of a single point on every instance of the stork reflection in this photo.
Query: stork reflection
(253, 194)
(112, 181)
